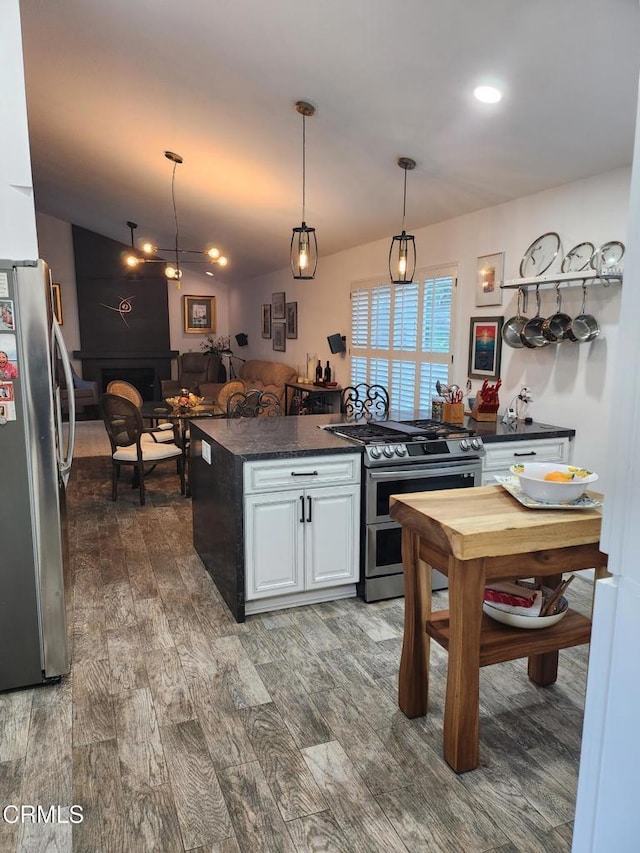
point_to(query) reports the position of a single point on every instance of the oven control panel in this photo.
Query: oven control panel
(393, 454)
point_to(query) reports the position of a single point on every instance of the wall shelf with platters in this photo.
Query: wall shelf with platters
(564, 278)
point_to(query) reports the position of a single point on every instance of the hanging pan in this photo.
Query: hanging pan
(514, 325)
(531, 334)
(584, 327)
(555, 327)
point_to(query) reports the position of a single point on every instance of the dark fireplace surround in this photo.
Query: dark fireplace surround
(123, 316)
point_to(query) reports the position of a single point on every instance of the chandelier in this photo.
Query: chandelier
(304, 246)
(173, 269)
(402, 254)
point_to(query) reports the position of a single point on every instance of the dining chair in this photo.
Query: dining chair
(133, 444)
(253, 404)
(365, 401)
(162, 432)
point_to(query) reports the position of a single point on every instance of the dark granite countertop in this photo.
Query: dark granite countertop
(270, 438)
(495, 431)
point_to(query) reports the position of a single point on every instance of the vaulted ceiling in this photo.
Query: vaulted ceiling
(111, 85)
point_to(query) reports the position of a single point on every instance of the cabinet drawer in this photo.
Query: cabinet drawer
(303, 471)
(501, 456)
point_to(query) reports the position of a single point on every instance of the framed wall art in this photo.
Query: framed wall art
(292, 319)
(56, 297)
(489, 275)
(279, 337)
(278, 300)
(485, 347)
(266, 320)
(199, 314)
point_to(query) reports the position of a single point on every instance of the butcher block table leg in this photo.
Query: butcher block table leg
(413, 681)
(543, 669)
(462, 704)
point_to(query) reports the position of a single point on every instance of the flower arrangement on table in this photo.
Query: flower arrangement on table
(185, 400)
(216, 346)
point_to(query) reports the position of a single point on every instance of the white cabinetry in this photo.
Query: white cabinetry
(500, 456)
(301, 522)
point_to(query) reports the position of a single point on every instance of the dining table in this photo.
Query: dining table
(474, 537)
(159, 410)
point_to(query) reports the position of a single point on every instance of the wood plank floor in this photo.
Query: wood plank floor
(179, 729)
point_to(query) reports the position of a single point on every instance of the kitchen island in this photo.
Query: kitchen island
(276, 510)
(272, 534)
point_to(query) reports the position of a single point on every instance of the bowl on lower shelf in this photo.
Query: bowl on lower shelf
(567, 483)
(516, 620)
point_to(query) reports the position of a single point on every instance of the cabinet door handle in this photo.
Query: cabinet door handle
(530, 453)
(301, 509)
(304, 474)
(309, 515)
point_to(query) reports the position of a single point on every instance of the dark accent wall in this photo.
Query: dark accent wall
(123, 314)
(103, 282)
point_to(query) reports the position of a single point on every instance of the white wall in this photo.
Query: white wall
(607, 814)
(17, 216)
(570, 383)
(56, 248)
(55, 241)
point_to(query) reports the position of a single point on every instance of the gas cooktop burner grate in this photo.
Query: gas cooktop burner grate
(391, 432)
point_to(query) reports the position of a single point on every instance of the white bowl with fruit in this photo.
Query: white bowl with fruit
(549, 482)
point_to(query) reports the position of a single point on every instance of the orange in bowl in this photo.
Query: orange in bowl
(550, 482)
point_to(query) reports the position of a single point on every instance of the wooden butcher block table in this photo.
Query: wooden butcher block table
(474, 536)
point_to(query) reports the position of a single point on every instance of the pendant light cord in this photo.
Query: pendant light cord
(304, 145)
(404, 199)
(175, 215)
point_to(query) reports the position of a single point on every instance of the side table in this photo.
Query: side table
(302, 399)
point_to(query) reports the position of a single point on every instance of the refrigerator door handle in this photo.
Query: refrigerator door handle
(65, 454)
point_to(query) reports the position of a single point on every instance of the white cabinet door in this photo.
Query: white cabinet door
(274, 543)
(332, 541)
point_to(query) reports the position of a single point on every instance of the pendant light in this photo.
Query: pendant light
(402, 254)
(304, 246)
(173, 270)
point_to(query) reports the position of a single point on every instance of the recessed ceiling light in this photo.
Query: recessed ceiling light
(487, 94)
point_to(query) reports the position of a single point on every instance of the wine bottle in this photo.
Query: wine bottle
(319, 371)
(327, 373)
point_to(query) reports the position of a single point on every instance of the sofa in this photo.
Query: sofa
(263, 375)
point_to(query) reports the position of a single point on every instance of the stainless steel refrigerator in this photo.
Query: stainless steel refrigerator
(35, 461)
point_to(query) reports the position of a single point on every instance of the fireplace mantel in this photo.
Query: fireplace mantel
(84, 354)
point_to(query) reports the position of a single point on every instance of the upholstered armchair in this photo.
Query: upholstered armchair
(194, 370)
(85, 392)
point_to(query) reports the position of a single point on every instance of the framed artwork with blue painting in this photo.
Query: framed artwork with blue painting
(485, 347)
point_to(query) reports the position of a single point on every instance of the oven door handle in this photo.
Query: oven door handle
(410, 472)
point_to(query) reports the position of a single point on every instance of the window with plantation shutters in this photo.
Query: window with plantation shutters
(402, 336)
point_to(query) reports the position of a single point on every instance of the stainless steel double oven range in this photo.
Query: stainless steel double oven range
(402, 457)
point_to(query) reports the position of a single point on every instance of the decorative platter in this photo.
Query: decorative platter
(512, 485)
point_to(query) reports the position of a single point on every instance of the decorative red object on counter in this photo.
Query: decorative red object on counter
(487, 402)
